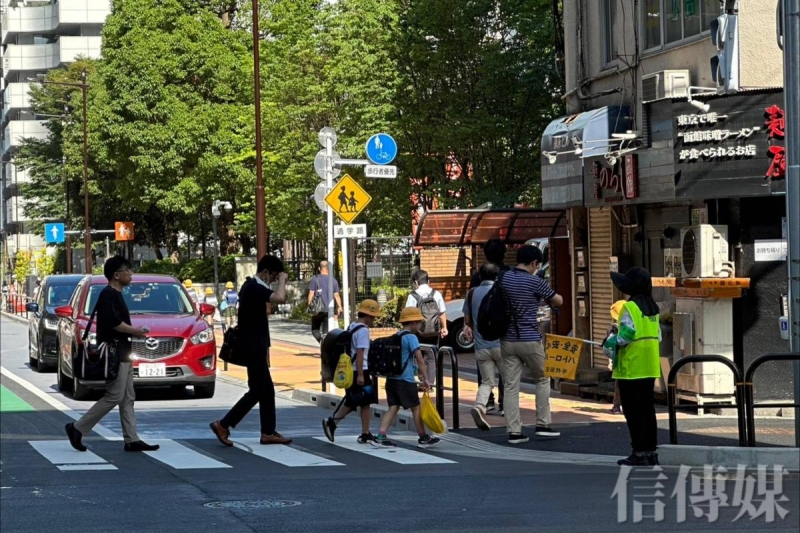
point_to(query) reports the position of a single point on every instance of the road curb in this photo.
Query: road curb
(21, 320)
(728, 456)
(404, 421)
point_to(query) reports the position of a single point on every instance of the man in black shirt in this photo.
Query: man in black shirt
(495, 252)
(255, 297)
(114, 326)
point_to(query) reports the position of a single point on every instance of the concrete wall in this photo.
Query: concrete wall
(761, 63)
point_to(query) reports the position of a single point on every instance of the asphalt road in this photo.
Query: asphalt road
(194, 484)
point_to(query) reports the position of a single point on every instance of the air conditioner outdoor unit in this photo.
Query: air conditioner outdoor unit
(665, 84)
(704, 252)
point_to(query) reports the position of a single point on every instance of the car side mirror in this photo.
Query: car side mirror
(32, 308)
(207, 309)
(65, 311)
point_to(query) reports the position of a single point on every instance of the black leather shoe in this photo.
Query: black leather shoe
(75, 437)
(140, 446)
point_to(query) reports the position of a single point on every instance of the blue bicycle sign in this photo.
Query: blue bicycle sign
(381, 149)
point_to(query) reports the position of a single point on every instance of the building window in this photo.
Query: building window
(651, 23)
(609, 16)
(666, 22)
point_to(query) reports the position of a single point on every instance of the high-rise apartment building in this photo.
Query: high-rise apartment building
(37, 35)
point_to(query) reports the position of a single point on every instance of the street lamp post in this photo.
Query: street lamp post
(84, 87)
(216, 212)
(261, 223)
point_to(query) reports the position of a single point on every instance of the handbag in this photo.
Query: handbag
(100, 361)
(317, 306)
(229, 351)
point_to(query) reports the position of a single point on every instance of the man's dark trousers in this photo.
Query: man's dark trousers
(262, 392)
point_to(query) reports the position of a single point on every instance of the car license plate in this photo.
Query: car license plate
(152, 370)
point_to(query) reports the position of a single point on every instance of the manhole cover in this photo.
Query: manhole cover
(251, 504)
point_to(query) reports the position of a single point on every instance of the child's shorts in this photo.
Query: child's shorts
(356, 396)
(402, 393)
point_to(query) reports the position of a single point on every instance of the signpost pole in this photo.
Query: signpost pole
(345, 284)
(791, 91)
(329, 212)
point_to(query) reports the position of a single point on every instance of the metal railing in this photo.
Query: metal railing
(739, 396)
(15, 304)
(750, 395)
(440, 388)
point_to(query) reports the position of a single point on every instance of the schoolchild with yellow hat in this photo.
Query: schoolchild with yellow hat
(362, 393)
(402, 391)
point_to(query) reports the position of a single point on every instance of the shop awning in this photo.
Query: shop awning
(461, 227)
(566, 142)
(588, 133)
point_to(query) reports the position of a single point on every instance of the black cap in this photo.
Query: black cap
(635, 281)
(271, 264)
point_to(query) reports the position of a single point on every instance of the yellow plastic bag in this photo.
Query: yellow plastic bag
(430, 416)
(343, 377)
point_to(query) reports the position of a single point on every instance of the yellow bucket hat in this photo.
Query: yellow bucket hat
(411, 314)
(370, 307)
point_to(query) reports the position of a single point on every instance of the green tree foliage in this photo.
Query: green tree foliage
(466, 85)
(479, 87)
(22, 265)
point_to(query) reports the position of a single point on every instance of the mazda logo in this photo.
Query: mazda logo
(151, 343)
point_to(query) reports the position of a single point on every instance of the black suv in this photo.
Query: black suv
(53, 292)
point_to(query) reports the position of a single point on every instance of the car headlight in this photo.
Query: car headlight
(51, 323)
(207, 335)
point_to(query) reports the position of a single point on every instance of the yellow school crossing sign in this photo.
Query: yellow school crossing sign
(347, 199)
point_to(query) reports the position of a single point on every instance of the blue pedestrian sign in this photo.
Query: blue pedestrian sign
(54, 233)
(381, 149)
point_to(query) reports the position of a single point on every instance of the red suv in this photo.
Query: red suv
(180, 348)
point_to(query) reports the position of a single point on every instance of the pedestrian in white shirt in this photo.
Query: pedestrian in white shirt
(434, 326)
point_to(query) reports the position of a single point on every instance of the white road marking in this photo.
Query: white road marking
(182, 457)
(285, 455)
(68, 468)
(65, 457)
(396, 455)
(60, 406)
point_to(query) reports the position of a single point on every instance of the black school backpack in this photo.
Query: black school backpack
(386, 356)
(494, 313)
(336, 343)
(432, 320)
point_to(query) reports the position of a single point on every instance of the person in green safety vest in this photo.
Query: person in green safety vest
(637, 364)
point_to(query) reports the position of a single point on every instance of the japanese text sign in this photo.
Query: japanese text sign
(562, 355)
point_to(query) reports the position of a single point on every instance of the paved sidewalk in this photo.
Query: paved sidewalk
(587, 426)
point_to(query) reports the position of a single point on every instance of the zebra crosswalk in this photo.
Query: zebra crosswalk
(205, 455)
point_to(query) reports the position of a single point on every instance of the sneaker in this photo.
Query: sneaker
(426, 441)
(75, 437)
(480, 421)
(616, 410)
(517, 438)
(329, 427)
(140, 446)
(382, 441)
(634, 459)
(500, 412)
(546, 431)
(652, 459)
(366, 438)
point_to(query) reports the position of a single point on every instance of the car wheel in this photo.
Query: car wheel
(205, 391)
(79, 390)
(61, 379)
(32, 361)
(457, 338)
(41, 366)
